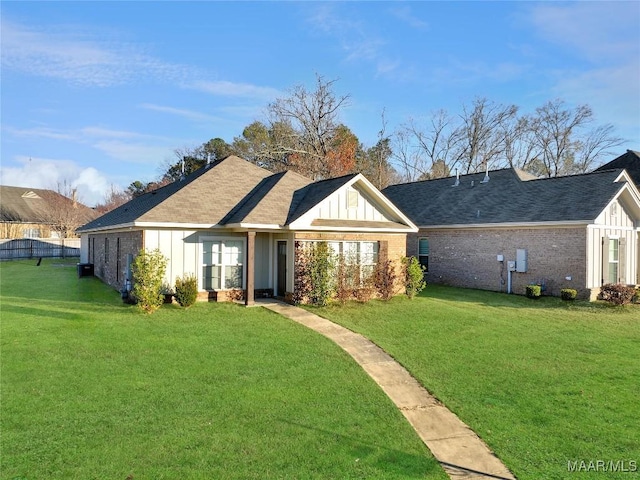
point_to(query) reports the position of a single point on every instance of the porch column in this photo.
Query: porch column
(251, 249)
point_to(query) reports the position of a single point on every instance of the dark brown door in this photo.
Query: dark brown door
(282, 269)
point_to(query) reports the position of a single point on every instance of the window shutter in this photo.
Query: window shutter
(605, 260)
(622, 258)
(383, 251)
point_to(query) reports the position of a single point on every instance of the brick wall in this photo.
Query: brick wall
(468, 257)
(394, 246)
(110, 268)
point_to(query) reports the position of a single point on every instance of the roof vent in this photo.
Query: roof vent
(457, 179)
(486, 174)
(208, 160)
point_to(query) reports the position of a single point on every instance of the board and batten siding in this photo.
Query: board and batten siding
(336, 207)
(184, 248)
(613, 222)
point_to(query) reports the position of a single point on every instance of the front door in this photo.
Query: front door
(282, 269)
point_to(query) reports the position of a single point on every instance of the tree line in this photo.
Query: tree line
(302, 132)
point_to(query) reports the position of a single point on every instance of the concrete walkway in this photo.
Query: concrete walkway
(459, 450)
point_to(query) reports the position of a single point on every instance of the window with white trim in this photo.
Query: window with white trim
(423, 252)
(614, 259)
(354, 254)
(222, 264)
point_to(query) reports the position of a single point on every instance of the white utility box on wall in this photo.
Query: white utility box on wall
(521, 260)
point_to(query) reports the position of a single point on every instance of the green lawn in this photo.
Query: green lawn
(542, 382)
(93, 389)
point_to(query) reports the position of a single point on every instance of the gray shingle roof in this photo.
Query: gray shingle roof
(505, 198)
(230, 191)
(213, 191)
(630, 161)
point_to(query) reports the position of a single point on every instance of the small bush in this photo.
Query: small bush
(186, 290)
(533, 291)
(414, 276)
(636, 296)
(568, 294)
(148, 273)
(617, 293)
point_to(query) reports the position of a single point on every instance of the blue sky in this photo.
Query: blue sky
(102, 93)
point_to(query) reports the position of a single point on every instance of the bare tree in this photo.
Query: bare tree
(482, 133)
(431, 150)
(597, 143)
(313, 116)
(64, 212)
(113, 199)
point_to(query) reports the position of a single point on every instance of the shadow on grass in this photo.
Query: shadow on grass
(393, 461)
(498, 299)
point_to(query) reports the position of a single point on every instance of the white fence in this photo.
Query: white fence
(39, 247)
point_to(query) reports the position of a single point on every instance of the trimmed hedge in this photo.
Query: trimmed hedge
(533, 291)
(186, 290)
(568, 294)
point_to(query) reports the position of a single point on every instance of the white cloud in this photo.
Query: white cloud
(606, 38)
(72, 54)
(596, 30)
(132, 152)
(48, 173)
(188, 114)
(231, 89)
(406, 15)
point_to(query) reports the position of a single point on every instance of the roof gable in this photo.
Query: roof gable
(348, 203)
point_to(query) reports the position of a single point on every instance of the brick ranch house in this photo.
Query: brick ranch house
(235, 225)
(503, 230)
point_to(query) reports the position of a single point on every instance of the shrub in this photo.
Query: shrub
(344, 282)
(314, 282)
(414, 276)
(636, 296)
(617, 293)
(568, 294)
(384, 279)
(533, 291)
(186, 290)
(148, 270)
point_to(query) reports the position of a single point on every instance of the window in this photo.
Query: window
(354, 254)
(31, 233)
(222, 264)
(614, 259)
(423, 253)
(352, 199)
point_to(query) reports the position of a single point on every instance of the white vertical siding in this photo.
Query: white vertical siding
(335, 207)
(179, 246)
(595, 234)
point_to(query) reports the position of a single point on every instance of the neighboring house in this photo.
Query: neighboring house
(576, 232)
(38, 213)
(235, 225)
(630, 161)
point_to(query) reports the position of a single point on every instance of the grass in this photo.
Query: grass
(543, 382)
(92, 388)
